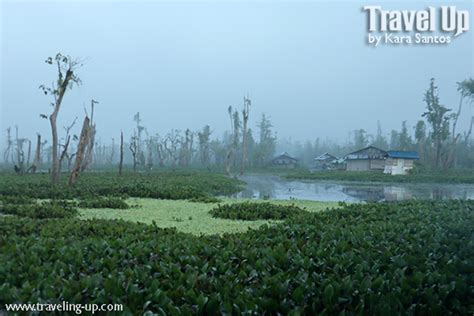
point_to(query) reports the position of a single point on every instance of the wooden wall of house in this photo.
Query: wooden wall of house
(358, 165)
(377, 164)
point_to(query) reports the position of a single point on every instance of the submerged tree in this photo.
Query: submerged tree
(66, 78)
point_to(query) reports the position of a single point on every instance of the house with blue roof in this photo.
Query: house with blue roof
(399, 162)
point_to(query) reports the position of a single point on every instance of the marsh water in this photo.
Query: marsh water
(274, 187)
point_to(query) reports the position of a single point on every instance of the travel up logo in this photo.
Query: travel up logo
(403, 27)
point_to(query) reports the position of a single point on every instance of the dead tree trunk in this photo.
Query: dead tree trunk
(90, 145)
(245, 116)
(37, 159)
(29, 153)
(134, 149)
(121, 154)
(55, 170)
(6, 153)
(230, 152)
(80, 151)
(19, 166)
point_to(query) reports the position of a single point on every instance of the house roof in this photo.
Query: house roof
(285, 155)
(326, 156)
(369, 152)
(403, 154)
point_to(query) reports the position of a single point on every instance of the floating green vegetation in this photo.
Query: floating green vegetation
(190, 217)
(390, 258)
(103, 202)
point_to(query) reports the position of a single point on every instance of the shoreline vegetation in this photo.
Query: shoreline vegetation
(170, 185)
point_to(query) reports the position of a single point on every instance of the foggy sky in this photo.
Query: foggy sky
(181, 64)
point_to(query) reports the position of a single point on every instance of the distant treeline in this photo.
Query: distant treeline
(440, 145)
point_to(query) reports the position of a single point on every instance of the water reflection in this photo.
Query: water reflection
(263, 186)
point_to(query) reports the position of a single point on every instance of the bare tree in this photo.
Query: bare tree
(186, 150)
(66, 78)
(230, 151)
(90, 144)
(134, 148)
(160, 151)
(81, 147)
(438, 118)
(37, 158)
(171, 145)
(29, 153)
(121, 153)
(245, 118)
(204, 138)
(67, 141)
(6, 153)
(139, 151)
(20, 154)
(466, 89)
(149, 153)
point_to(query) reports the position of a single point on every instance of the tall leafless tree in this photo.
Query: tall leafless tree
(66, 77)
(134, 148)
(245, 118)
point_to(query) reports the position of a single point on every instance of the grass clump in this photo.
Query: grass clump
(40, 210)
(251, 211)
